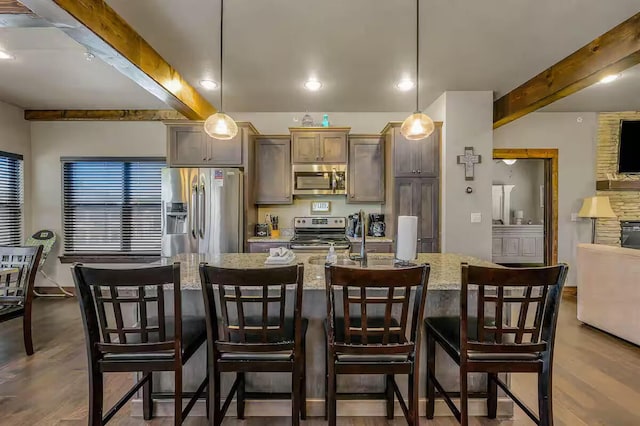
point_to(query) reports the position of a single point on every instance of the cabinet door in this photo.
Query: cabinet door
(366, 170)
(333, 147)
(427, 152)
(225, 152)
(186, 146)
(405, 162)
(427, 199)
(306, 147)
(405, 202)
(273, 171)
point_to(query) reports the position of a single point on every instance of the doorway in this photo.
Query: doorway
(525, 207)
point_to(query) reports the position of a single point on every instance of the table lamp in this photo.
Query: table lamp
(595, 208)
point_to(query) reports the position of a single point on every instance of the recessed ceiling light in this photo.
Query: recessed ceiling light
(5, 55)
(405, 85)
(313, 85)
(609, 78)
(209, 84)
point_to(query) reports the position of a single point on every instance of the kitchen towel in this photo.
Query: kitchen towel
(280, 256)
(407, 238)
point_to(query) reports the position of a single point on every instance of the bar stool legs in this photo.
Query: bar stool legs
(492, 395)
(147, 401)
(544, 395)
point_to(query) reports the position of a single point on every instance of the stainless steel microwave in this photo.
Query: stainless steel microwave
(316, 179)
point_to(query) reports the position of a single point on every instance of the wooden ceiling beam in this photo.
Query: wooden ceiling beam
(12, 7)
(94, 24)
(611, 53)
(103, 115)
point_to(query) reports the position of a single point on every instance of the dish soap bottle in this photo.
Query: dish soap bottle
(332, 257)
(325, 120)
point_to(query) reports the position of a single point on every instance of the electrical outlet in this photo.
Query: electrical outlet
(476, 217)
(574, 217)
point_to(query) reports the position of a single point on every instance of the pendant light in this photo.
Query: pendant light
(418, 125)
(220, 125)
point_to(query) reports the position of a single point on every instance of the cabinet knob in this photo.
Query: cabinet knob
(413, 171)
(419, 172)
(419, 239)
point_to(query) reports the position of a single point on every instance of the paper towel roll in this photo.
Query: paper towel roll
(407, 238)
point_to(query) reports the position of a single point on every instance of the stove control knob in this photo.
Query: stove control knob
(304, 221)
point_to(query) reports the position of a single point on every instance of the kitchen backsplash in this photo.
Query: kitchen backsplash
(302, 207)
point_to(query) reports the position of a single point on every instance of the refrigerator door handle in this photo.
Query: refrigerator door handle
(202, 208)
(194, 213)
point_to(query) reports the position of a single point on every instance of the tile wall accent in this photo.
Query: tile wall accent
(626, 204)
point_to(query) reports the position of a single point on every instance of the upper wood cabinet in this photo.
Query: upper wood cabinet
(366, 169)
(272, 178)
(317, 145)
(416, 158)
(189, 146)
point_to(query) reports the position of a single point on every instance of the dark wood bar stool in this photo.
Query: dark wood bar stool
(152, 341)
(258, 329)
(16, 289)
(379, 335)
(490, 342)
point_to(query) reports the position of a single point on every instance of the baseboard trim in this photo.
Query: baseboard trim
(570, 291)
(53, 290)
(315, 408)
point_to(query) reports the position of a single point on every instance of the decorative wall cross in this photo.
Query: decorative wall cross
(469, 159)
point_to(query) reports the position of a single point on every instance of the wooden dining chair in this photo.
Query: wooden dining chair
(373, 328)
(512, 331)
(128, 329)
(16, 289)
(255, 327)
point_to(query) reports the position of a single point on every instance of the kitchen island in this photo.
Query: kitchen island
(442, 299)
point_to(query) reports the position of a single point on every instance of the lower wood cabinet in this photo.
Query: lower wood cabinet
(264, 247)
(272, 181)
(518, 244)
(366, 169)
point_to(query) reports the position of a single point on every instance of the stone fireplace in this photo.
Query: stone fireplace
(625, 203)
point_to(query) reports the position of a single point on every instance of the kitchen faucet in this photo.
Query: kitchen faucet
(362, 221)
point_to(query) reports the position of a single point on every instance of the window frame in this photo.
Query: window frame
(111, 257)
(19, 157)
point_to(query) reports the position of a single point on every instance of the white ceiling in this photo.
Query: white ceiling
(357, 48)
(622, 94)
(50, 71)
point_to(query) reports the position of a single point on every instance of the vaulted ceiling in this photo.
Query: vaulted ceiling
(358, 49)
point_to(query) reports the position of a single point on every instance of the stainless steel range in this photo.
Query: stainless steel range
(317, 233)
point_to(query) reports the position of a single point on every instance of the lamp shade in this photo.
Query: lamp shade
(596, 207)
(417, 126)
(221, 126)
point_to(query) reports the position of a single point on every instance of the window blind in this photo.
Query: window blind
(112, 206)
(11, 199)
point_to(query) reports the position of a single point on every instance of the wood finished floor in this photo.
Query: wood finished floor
(596, 378)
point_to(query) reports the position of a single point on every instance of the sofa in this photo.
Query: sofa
(609, 289)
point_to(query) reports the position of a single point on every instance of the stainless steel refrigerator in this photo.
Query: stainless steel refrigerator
(202, 211)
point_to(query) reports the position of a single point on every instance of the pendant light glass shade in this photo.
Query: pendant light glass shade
(417, 126)
(221, 126)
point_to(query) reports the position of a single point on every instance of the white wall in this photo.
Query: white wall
(15, 138)
(279, 122)
(469, 120)
(52, 140)
(574, 134)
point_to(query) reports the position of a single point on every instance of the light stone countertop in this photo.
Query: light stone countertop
(371, 239)
(445, 267)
